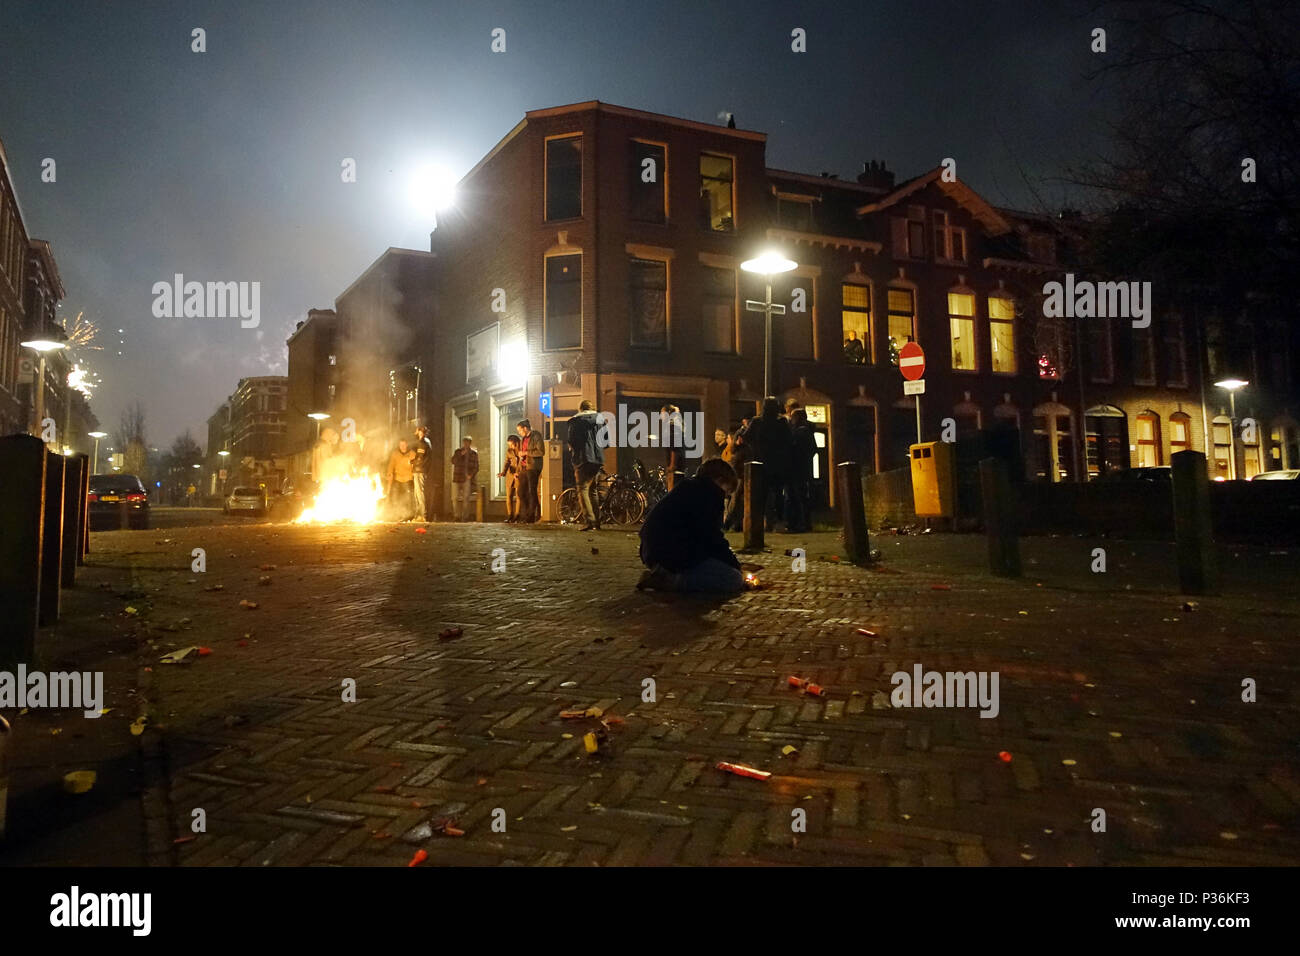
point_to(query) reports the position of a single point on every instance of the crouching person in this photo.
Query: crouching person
(682, 543)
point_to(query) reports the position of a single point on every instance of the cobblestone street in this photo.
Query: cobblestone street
(1113, 696)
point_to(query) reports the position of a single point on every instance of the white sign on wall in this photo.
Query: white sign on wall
(481, 351)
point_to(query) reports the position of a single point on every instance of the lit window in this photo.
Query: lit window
(717, 196)
(902, 320)
(563, 302)
(1148, 440)
(856, 322)
(564, 178)
(1179, 433)
(1002, 334)
(961, 325)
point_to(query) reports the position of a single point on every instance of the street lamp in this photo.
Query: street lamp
(320, 417)
(97, 436)
(43, 347)
(767, 265)
(1231, 385)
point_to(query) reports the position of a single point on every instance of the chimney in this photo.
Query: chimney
(875, 175)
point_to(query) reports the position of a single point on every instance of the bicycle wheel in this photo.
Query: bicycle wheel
(570, 506)
(621, 506)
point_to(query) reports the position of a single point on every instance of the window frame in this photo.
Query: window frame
(546, 302)
(735, 307)
(546, 177)
(890, 313)
(666, 262)
(1015, 359)
(954, 318)
(735, 218)
(945, 230)
(1154, 442)
(869, 338)
(633, 142)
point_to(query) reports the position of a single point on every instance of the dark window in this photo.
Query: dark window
(564, 178)
(564, 302)
(797, 327)
(794, 214)
(648, 303)
(646, 199)
(718, 319)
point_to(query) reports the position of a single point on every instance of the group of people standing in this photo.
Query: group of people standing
(786, 444)
(406, 478)
(525, 452)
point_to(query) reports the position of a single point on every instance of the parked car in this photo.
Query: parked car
(117, 501)
(1159, 473)
(1282, 474)
(246, 501)
(292, 499)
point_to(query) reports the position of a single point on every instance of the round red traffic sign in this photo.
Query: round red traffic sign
(911, 361)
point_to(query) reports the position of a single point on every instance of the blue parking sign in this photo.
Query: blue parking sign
(544, 403)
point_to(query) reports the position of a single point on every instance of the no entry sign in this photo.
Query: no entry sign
(911, 361)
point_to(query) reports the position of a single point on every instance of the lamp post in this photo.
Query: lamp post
(43, 347)
(224, 455)
(320, 417)
(1230, 385)
(767, 265)
(94, 468)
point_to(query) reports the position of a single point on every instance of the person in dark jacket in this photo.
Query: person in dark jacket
(420, 468)
(510, 472)
(768, 438)
(798, 489)
(587, 458)
(532, 452)
(682, 543)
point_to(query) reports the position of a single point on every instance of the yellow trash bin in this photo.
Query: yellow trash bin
(932, 479)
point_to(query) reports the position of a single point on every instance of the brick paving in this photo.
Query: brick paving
(1112, 697)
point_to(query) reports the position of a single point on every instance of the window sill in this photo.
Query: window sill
(560, 222)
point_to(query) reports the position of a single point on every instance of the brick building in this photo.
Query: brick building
(251, 425)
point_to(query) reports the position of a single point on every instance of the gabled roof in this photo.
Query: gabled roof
(384, 258)
(993, 221)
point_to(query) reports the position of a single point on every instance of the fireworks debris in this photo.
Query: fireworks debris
(866, 633)
(182, 656)
(420, 857)
(79, 781)
(447, 827)
(940, 587)
(1004, 756)
(789, 749)
(266, 567)
(740, 770)
(807, 686)
(215, 587)
(450, 633)
(264, 580)
(248, 605)
(880, 701)
(138, 725)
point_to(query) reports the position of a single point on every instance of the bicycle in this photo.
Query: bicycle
(652, 484)
(616, 500)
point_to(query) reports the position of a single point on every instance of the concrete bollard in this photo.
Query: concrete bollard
(71, 519)
(1193, 531)
(999, 518)
(52, 539)
(755, 510)
(83, 513)
(22, 521)
(853, 511)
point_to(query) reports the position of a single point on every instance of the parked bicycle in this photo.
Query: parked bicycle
(615, 498)
(652, 483)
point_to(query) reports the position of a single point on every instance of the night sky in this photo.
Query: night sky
(225, 165)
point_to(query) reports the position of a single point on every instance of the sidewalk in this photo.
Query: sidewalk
(1111, 696)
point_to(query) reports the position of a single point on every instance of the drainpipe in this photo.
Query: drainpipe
(1202, 364)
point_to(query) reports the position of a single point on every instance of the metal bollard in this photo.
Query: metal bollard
(52, 539)
(71, 525)
(22, 522)
(755, 510)
(6, 735)
(857, 545)
(83, 512)
(1193, 530)
(999, 518)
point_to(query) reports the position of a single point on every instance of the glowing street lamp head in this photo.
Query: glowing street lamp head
(769, 263)
(1232, 384)
(431, 190)
(319, 416)
(44, 345)
(97, 434)
(512, 363)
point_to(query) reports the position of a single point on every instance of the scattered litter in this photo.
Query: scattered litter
(807, 686)
(79, 781)
(184, 839)
(880, 701)
(1116, 733)
(1228, 835)
(204, 651)
(181, 656)
(570, 683)
(595, 550)
(589, 712)
(566, 736)
(266, 567)
(450, 633)
(138, 725)
(591, 743)
(421, 531)
(940, 587)
(248, 605)
(866, 633)
(1004, 756)
(1069, 763)
(789, 749)
(1190, 605)
(481, 781)
(234, 720)
(131, 610)
(264, 580)
(568, 829)
(740, 770)
(55, 731)
(215, 587)
(420, 857)
(447, 827)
